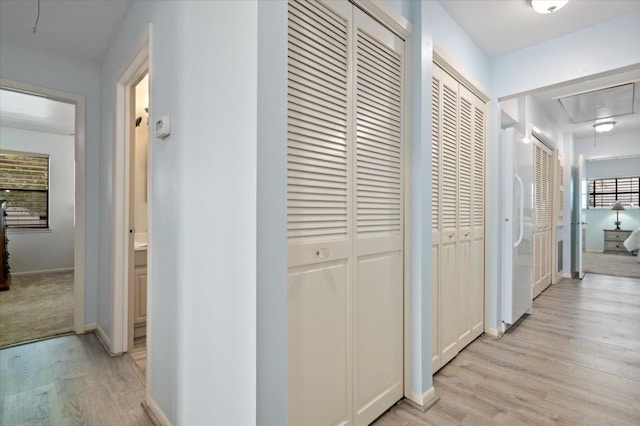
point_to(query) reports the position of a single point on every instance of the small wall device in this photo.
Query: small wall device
(163, 127)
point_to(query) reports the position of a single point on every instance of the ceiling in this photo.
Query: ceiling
(499, 27)
(78, 28)
(84, 29)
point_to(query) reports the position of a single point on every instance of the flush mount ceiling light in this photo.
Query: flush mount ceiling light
(604, 126)
(547, 6)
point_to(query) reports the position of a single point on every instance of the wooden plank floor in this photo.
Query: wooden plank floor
(574, 361)
(68, 380)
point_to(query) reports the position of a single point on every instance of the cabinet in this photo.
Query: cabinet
(613, 240)
(140, 294)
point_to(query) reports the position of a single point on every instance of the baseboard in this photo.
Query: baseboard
(88, 328)
(494, 332)
(594, 251)
(44, 271)
(422, 402)
(566, 275)
(105, 341)
(154, 412)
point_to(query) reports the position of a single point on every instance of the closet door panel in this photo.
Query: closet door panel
(478, 218)
(319, 355)
(378, 245)
(436, 214)
(319, 215)
(449, 303)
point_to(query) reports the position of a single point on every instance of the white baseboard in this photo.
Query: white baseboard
(566, 275)
(424, 401)
(44, 271)
(594, 251)
(88, 328)
(494, 332)
(105, 341)
(154, 412)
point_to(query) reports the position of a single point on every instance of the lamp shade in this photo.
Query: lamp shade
(617, 206)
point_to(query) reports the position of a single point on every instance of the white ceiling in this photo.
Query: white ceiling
(84, 29)
(499, 27)
(81, 28)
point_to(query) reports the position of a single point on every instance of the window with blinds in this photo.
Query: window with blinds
(24, 186)
(603, 193)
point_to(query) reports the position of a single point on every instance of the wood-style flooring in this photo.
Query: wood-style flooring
(574, 361)
(69, 380)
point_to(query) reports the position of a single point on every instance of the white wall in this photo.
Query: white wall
(202, 306)
(608, 145)
(618, 167)
(28, 64)
(45, 250)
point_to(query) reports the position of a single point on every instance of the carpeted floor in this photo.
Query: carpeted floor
(36, 306)
(619, 265)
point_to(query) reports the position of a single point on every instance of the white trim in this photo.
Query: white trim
(423, 400)
(91, 327)
(566, 275)
(79, 202)
(136, 68)
(494, 332)
(387, 16)
(449, 66)
(155, 411)
(44, 271)
(105, 341)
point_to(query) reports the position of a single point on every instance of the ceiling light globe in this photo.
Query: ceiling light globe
(547, 6)
(604, 126)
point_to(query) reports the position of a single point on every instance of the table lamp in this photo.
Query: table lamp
(617, 207)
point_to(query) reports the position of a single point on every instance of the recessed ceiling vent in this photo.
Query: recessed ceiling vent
(604, 103)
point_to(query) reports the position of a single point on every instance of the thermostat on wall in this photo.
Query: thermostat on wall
(163, 127)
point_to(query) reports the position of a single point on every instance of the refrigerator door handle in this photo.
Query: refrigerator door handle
(519, 181)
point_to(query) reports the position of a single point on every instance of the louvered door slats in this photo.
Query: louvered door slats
(478, 168)
(435, 152)
(378, 133)
(465, 163)
(449, 158)
(317, 185)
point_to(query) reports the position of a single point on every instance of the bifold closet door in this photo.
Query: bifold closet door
(344, 215)
(458, 167)
(542, 216)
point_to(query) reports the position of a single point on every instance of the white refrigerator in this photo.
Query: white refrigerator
(517, 242)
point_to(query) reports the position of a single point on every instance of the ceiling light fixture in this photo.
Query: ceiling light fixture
(604, 126)
(547, 6)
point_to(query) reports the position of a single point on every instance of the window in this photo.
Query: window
(24, 186)
(603, 193)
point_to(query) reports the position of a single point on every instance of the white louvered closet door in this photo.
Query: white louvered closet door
(542, 216)
(458, 176)
(345, 227)
(378, 244)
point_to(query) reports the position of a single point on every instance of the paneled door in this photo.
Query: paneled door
(344, 214)
(542, 216)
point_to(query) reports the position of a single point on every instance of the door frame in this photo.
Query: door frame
(122, 241)
(79, 200)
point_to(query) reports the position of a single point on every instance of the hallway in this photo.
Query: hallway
(576, 360)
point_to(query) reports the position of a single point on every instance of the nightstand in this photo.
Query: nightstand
(613, 240)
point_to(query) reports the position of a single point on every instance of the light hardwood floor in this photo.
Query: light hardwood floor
(574, 361)
(67, 381)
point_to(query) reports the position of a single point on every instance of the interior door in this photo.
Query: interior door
(378, 242)
(580, 222)
(542, 217)
(344, 215)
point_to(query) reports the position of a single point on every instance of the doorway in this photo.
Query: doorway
(138, 222)
(45, 128)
